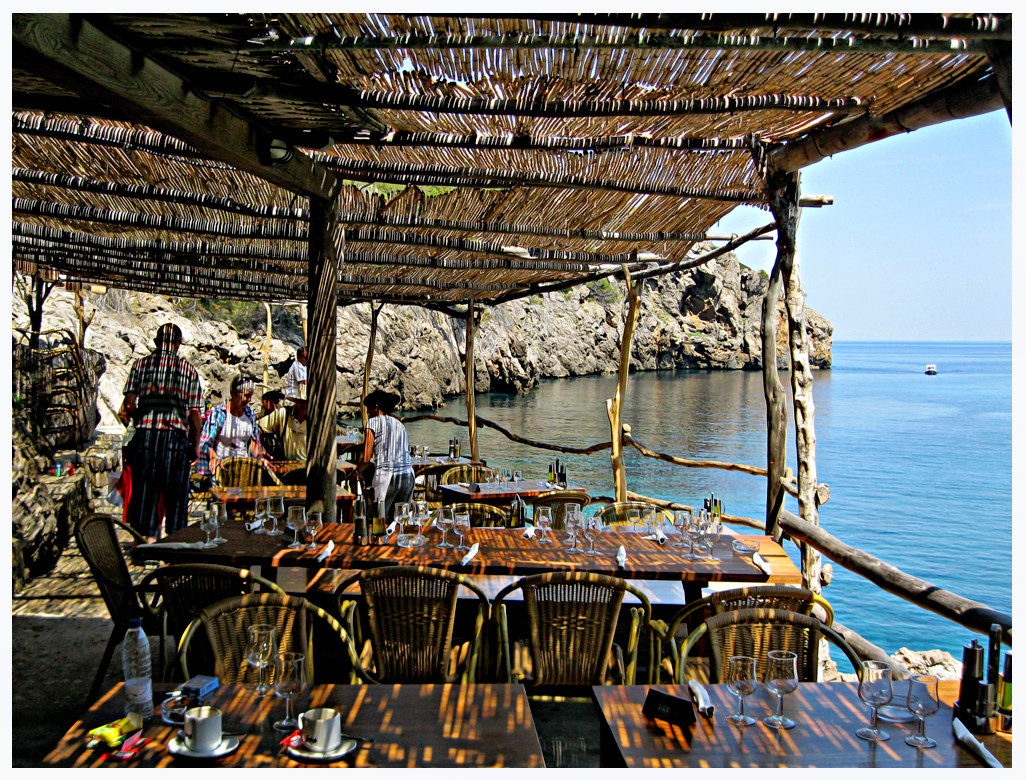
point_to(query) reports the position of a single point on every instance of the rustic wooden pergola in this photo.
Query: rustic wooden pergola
(231, 155)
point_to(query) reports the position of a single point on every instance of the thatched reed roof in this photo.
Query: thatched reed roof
(521, 152)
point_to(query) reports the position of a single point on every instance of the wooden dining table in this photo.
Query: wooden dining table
(430, 726)
(500, 551)
(826, 716)
(499, 493)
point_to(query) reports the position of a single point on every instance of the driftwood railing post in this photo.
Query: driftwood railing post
(776, 406)
(323, 292)
(614, 405)
(266, 347)
(468, 368)
(374, 310)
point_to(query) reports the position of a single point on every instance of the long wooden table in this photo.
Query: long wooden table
(499, 494)
(426, 726)
(827, 716)
(501, 551)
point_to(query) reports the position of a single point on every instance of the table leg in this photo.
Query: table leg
(693, 590)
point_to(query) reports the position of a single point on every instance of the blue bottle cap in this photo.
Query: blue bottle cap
(134, 622)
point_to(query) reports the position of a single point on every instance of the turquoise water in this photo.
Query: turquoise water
(919, 467)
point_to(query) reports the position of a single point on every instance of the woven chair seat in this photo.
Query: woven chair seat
(483, 515)
(558, 500)
(618, 513)
(240, 472)
(467, 474)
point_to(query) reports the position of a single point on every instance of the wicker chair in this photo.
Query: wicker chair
(558, 500)
(410, 612)
(754, 632)
(786, 597)
(99, 545)
(293, 617)
(243, 472)
(483, 515)
(292, 472)
(617, 513)
(466, 474)
(187, 588)
(572, 618)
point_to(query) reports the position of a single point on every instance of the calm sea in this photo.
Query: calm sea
(919, 466)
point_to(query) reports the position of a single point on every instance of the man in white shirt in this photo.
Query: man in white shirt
(289, 424)
(296, 375)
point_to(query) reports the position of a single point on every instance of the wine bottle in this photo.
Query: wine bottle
(1004, 706)
(378, 522)
(360, 532)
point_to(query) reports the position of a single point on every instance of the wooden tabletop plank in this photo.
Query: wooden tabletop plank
(827, 716)
(497, 493)
(426, 726)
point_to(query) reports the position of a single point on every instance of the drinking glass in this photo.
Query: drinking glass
(741, 682)
(573, 523)
(781, 679)
(543, 519)
(296, 523)
(314, 523)
(875, 689)
(462, 527)
(444, 523)
(419, 517)
(569, 511)
(222, 521)
(696, 530)
(634, 517)
(648, 520)
(681, 519)
(275, 511)
(517, 476)
(208, 523)
(260, 513)
(508, 474)
(592, 527)
(260, 652)
(922, 700)
(289, 682)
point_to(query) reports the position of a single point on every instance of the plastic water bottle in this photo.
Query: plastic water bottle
(135, 661)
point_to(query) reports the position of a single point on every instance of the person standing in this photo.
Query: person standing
(163, 395)
(296, 375)
(269, 402)
(230, 430)
(387, 445)
(288, 424)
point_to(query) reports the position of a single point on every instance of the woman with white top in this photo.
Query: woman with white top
(230, 430)
(386, 444)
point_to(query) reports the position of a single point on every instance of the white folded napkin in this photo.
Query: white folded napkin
(621, 556)
(469, 555)
(660, 537)
(528, 531)
(254, 525)
(391, 527)
(974, 746)
(171, 546)
(700, 697)
(759, 561)
(327, 550)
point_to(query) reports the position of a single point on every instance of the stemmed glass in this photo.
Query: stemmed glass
(875, 689)
(741, 682)
(274, 530)
(634, 517)
(222, 520)
(569, 512)
(922, 700)
(260, 511)
(462, 527)
(296, 522)
(444, 522)
(275, 511)
(208, 523)
(289, 682)
(648, 520)
(260, 652)
(681, 518)
(543, 519)
(418, 517)
(696, 530)
(592, 527)
(573, 524)
(781, 679)
(314, 523)
(517, 476)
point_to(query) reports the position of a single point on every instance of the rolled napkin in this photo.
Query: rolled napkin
(391, 527)
(528, 531)
(467, 558)
(759, 561)
(328, 548)
(973, 745)
(700, 696)
(171, 546)
(254, 525)
(621, 557)
(660, 537)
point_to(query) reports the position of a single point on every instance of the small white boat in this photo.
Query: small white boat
(931, 369)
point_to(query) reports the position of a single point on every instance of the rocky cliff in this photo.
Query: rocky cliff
(704, 318)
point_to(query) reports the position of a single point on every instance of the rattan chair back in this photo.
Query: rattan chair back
(466, 474)
(411, 612)
(483, 515)
(558, 500)
(618, 513)
(240, 472)
(572, 617)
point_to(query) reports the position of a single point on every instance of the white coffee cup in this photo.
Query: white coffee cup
(202, 731)
(322, 729)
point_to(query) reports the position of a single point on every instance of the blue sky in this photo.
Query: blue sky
(918, 243)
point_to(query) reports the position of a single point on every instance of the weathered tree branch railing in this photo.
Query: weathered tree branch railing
(966, 612)
(510, 435)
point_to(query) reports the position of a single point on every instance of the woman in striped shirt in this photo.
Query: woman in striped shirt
(386, 444)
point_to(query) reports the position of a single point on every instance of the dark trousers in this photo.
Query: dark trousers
(160, 468)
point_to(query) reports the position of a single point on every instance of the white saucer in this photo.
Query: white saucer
(303, 754)
(228, 744)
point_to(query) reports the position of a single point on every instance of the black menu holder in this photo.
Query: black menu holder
(672, 709)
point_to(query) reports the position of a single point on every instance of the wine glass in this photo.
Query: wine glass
(289, 682)
(444, 522)
(648, 520)
(696, 530)
(922, 700)
(259, 652)
(592, 527)
(275, 511)
(543, 519)
(741, 682)
(296, 523)
(781, 679)
(634, 518)
(875, 689)
(274, 530)
(681, 518)
(314, 523)
(260, 510)
(222, 520)
(517, 476)
(419, 517)
(569, 511)
(462, 527)
(208, 523)
(573, 524)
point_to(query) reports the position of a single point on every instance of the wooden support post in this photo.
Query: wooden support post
(374, 310)
(776, 406)
(321, 378)
(1000, 55)
(303, 317)
(83, 321)
(266, 348)
(614, 405)
(468, 369)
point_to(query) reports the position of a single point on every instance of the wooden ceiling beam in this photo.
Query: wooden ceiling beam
(70, 51)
